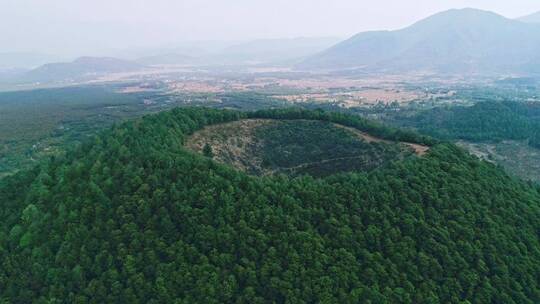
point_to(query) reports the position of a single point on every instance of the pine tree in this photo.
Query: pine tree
(207, 151)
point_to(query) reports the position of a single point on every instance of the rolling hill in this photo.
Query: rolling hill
(80, 68)
(132, 216)
(454, 41)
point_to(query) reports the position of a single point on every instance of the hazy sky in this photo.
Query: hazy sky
(85, 26)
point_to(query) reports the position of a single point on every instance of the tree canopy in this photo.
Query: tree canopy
(131, 216)
(484, 121)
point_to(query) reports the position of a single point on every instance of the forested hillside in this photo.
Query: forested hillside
(36, 124)
(133, 217)
(486, 120)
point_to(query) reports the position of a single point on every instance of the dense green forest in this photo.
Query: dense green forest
(131, 216)
(36, 124)
(484, 121)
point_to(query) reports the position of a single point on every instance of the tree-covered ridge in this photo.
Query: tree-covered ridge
(132, 217)
(371, 127)
(486, 120)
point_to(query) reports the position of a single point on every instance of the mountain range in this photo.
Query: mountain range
(456, 41)
(267, 51)
(275, 50)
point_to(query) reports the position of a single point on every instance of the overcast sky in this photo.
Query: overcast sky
(86, 26)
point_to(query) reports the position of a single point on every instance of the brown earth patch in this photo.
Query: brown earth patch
(235, 143)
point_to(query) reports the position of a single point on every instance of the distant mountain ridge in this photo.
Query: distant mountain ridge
(260, 51)
(454, 41)
(269, 50)
(532, 18)
(167, 59)
(80, 68)
(25, 60)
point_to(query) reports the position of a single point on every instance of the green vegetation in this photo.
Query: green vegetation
(131, 216)
(319, 149)
(371, 127)
(298, 141)
(534, 141)
(293, 147)
(499, 128)
(40, 123)
(207, 151)
(247, 101)
(516, 157)
(484, 121)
